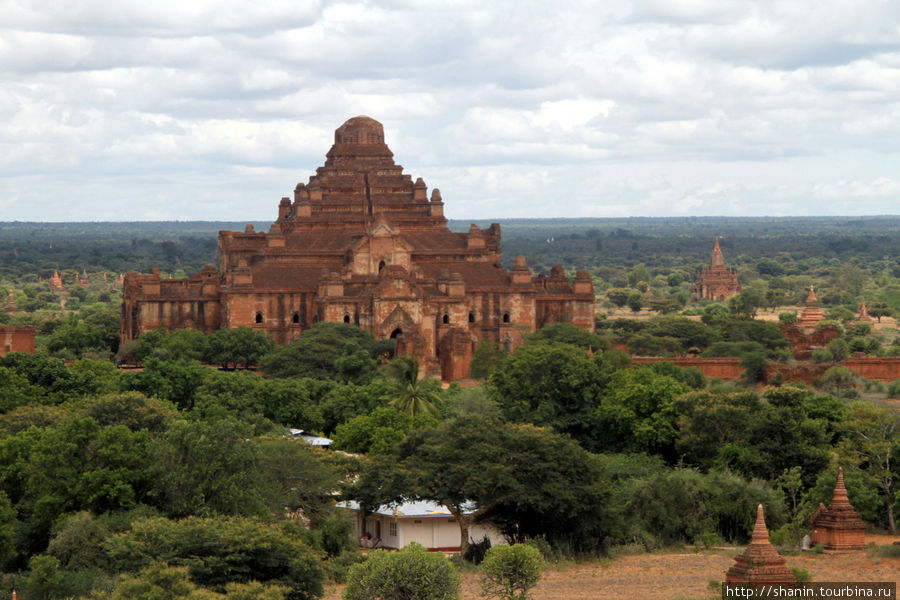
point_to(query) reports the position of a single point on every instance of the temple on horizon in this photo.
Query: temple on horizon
(362, 243)
(717, 282)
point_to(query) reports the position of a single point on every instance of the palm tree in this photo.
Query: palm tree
(410, 395)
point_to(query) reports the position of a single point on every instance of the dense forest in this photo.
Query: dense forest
(181, 478)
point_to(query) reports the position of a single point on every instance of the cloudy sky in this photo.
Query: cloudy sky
(215, 109)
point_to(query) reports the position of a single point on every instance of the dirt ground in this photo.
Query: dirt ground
(678, 576)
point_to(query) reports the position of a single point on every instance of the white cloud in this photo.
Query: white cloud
(215, 109)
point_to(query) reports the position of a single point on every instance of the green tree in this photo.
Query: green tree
(550, 384)
(636, 415)
(16, 390)
(487, 357)
(315, 352)
(159, 581)
(131, 409)
(510, 571)
(375, 433)
(880, 309)
(206, 467)
(411, 574)
(477, 468)
(746, 303)
(619, 296)
(754, 364)
(221, 550)
(173, 380)
(97, 376)
(837, 380)
(635, 301)
(839, 350)
(411, 395)
(293, 476)
(567, 333)
(73, 338)
(43, 575)
(871, 443)
(77, 541)
(7, 529)
(239, 346)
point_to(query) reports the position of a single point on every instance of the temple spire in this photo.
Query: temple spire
(760, 533)
(717, 259)
(840, 490)
(760, 562)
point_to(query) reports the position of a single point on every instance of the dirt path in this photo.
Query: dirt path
(679, 576)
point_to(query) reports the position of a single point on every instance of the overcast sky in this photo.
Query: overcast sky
(215, 109)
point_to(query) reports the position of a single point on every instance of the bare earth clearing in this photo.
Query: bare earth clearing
(679, 575)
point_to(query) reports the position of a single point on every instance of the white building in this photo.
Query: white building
(428, 523)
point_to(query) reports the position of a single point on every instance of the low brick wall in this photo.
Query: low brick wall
(723, 368)
(880, 369)
(877, 369)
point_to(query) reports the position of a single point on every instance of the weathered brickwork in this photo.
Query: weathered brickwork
(759, 564)
(363, 243)
(16, 339)
(838, 526)
(717, 282)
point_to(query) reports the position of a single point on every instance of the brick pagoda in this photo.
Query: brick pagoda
(760, 563)
(717, 282)
(839, 527)
(56, 282)
(362, 243)
(811, 314)
(864, 314)
(11, 306)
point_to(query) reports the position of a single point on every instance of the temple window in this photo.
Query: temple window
(259, 317)
(445, 319)
(471, 317)
(506, 317)
(295, 318)
(346, 318)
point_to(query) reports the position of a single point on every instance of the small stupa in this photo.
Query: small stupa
(839, 527)
(760, 563)
(811, 314)
(84, 279)
(11, 306)
(864, 313)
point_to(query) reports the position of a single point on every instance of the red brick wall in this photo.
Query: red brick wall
(16, 339)
(723, 368)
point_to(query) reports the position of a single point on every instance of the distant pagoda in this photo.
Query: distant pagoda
(56, 282)
(864, 314)
(717, 282)
(760, 563)
(11, 306)
(839, 527)
(811, 314)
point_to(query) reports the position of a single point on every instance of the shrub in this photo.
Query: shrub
(411, 574)
(893, 390)
(510, 571)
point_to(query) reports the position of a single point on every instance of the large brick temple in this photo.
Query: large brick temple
(363, 243)
(717, 282)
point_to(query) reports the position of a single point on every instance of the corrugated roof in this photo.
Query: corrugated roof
(418, 508)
